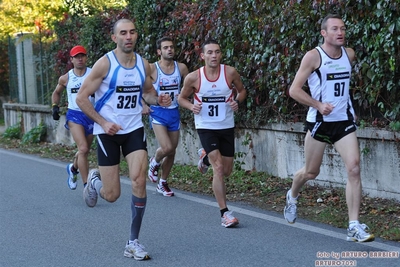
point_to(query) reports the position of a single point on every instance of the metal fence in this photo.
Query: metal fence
(31, 65)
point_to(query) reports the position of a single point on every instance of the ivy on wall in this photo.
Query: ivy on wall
(265, 40)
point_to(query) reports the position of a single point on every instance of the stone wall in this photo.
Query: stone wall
(30, 116)
(276, 149)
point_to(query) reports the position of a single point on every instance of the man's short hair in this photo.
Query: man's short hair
(325, 20)
(207, 42)
(163, 39)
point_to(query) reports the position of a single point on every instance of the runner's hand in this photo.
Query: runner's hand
(56, 113)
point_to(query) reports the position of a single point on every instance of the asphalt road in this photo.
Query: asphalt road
(43, 223)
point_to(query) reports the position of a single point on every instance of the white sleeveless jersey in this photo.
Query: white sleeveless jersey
(168, 84)
(214, 96)
(330, 83)
(118, 97)
(73, 85)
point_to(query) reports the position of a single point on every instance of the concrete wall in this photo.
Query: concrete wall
(30, 116)
(276, 149)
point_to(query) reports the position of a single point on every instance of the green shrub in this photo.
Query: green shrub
(13, 132)
(35, 135)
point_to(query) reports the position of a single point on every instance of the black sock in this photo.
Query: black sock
(73, 169)
(84, 185)
(206, 161)
(223, 211)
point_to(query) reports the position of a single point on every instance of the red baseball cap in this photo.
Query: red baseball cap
(77, 50)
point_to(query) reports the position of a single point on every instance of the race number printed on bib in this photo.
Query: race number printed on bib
(213, 108)
(127, 99)
(172, 91)
(339, 82)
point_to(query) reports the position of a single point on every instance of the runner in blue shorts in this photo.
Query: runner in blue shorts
(166, 75)
(79, 125)
(78, 117)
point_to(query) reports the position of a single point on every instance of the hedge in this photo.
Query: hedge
(265, 41)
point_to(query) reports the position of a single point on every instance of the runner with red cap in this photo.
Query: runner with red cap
(80, 126)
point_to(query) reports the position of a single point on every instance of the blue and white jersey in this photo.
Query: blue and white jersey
(118, 98)
(73, 85)
(330, 83)
(168, 84)
(214, 97)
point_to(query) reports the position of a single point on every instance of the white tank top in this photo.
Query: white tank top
(168, 84)
(330, 83)
(73, 85)
(214, 96)
(118, 97)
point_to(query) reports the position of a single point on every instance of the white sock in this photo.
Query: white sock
(292, 199)
(353, 223)
(155, 162)
(162, 181)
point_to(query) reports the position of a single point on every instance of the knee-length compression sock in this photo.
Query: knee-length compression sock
(138, 206)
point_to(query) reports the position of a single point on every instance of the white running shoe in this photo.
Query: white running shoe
(89, 192)
(153, 170)
(203, 168)
(228, 220)
(136, 250)
(359, 234)
(164, 189)
(72, 177)
(290, 211)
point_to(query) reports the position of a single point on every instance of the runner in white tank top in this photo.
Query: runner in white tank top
(168, 83)
(79, 125)
(330, 120)
(218, 90)
(118, 99)
(214, 97)
(122, 84)
(73, 85)
(167, 75)
(330, 83)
